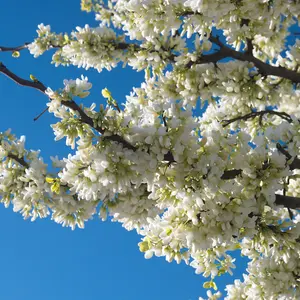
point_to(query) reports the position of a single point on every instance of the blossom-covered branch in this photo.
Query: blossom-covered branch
(41, 194)
(71, 104)
(228, 174)
(264, 68)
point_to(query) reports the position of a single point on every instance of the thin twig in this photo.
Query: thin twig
(283, 151)
(117, 107)
(164, 121)
(39, 115)
(260, 114)
(291, 215)
(12, 49)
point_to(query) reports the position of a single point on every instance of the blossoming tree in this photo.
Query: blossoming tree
(195, 185)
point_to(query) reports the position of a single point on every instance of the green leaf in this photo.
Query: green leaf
(55, 187)
(210, 284)
(213, 285)
(221, 272)
(49, 179)
(168, 231)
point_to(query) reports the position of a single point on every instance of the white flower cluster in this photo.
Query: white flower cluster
(273, 272)
(46, 40)
(69, 126)
(24, 187)
(194, 184)
(25, 182)
(94, 47)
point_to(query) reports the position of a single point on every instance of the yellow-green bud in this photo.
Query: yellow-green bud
(143, 246)
(106, 93)
(16, 54)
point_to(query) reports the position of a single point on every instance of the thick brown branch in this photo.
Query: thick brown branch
(249, 47)
(208, 58)
(264, 68)
(231, 174)
(288, 201)
(19, 160)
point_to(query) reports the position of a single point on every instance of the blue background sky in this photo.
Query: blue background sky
(42, 260)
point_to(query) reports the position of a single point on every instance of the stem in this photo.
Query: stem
(12, 49)
(251, 115)
(39, 115)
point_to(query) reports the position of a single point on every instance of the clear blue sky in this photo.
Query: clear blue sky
(42, 260)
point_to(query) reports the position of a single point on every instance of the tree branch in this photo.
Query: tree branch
(231, 174)
(224, 52)
(264, 68)
(24, 82)
(249, 47)
(288, 201)
(12, 49)
(208, 58)
(296, 162)
(251, 115)
(19, 160)
(71, 104)
(74, 106)
(228, 174)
